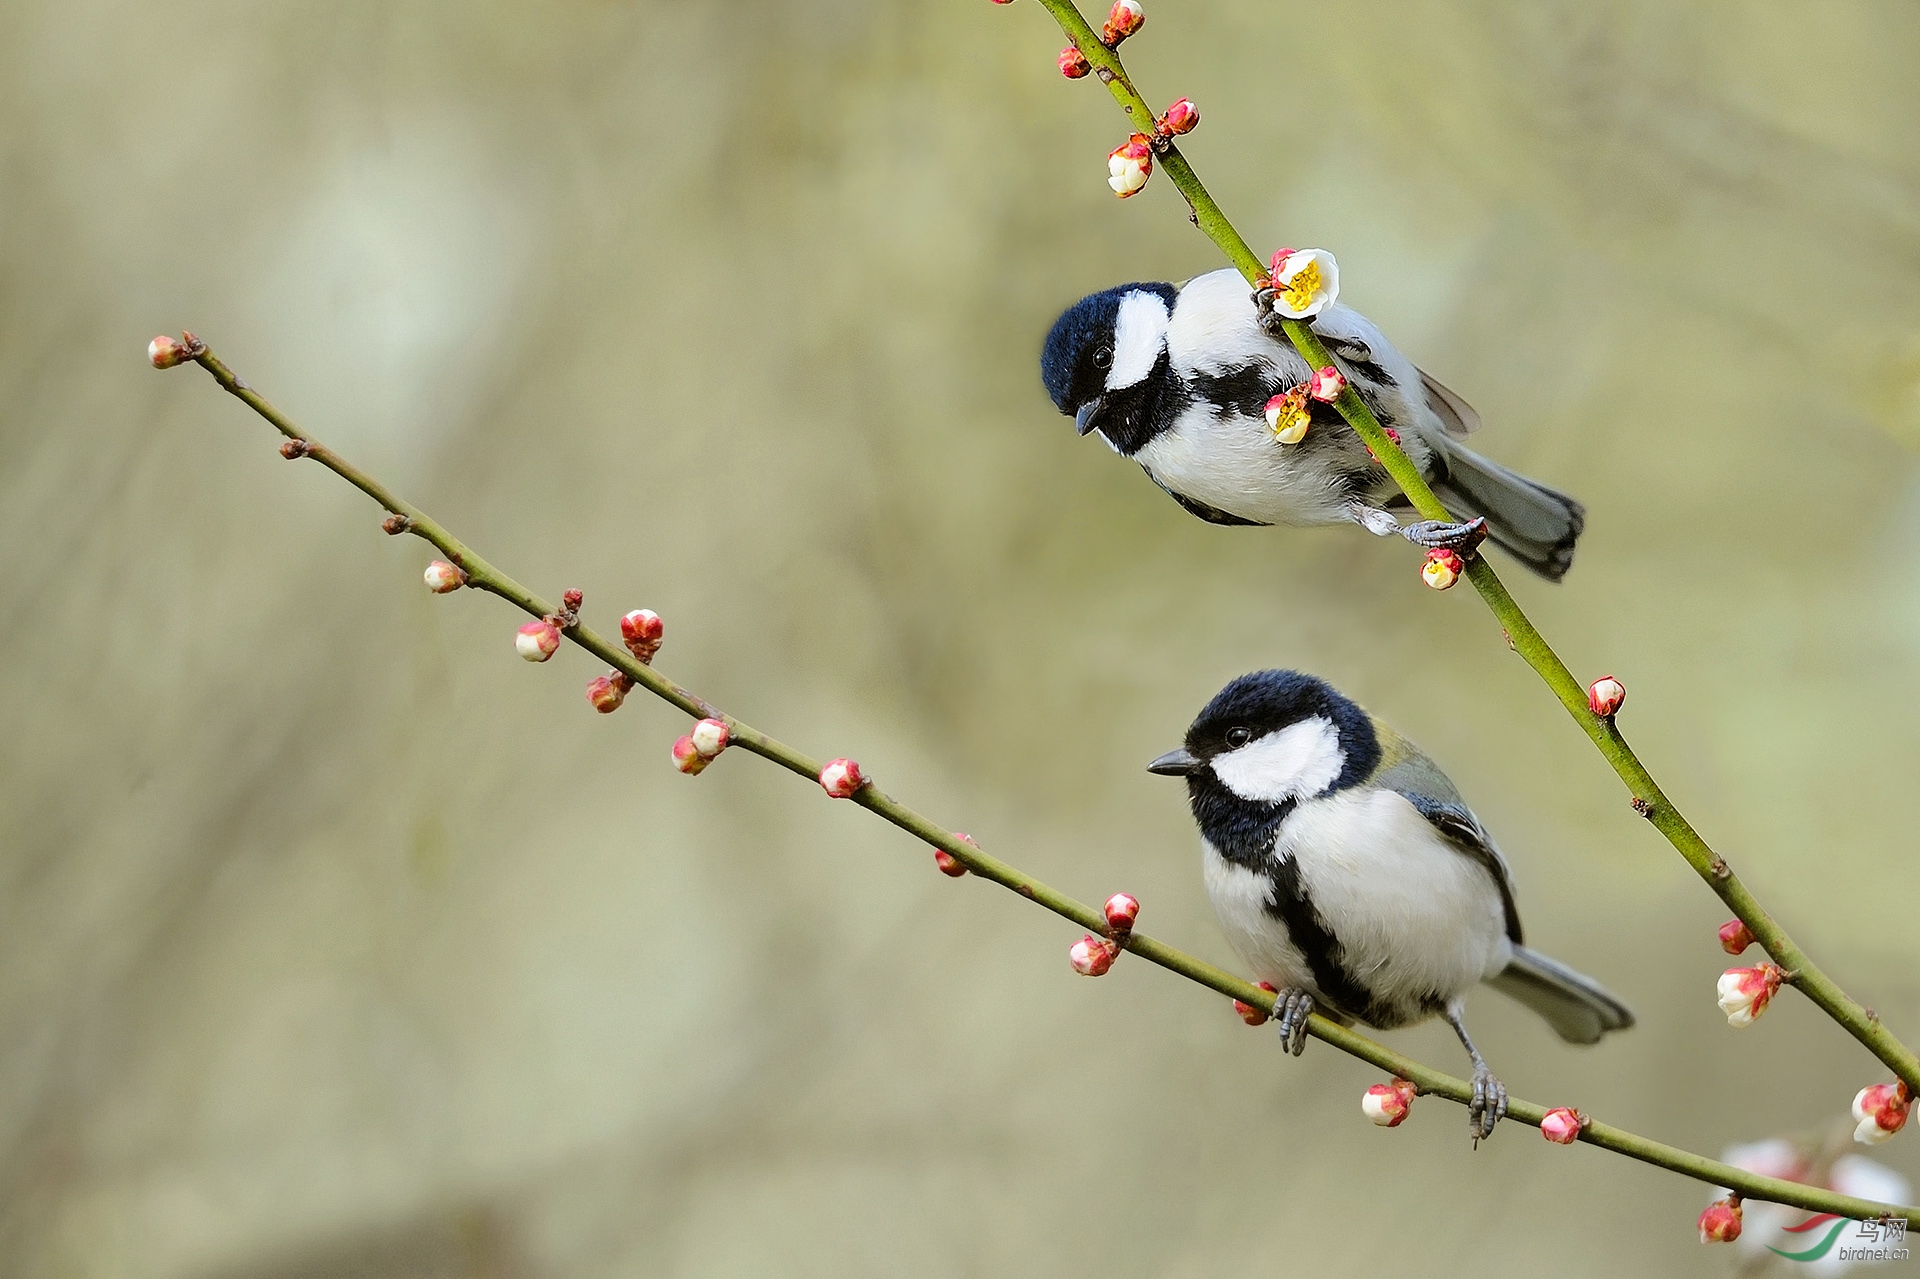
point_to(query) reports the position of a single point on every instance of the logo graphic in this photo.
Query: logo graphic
(1824, 1246)
(1881, 1230)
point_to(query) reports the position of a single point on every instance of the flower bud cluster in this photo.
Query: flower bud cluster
(693, 751)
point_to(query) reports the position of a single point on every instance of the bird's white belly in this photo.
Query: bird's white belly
(1234, 463)
(1414, 915)
(1240, 899)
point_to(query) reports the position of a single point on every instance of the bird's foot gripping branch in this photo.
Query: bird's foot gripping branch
(1110, 930)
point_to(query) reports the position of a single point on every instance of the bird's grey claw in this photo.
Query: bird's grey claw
(1270, 319)
(1441, 535)
(1291, 1007)
(1488, 1107)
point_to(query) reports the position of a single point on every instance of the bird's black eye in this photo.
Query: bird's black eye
(1238, 737)
(1102, 356)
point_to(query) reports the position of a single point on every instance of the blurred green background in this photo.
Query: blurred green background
(339, 941)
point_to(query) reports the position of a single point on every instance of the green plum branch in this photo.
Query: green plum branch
(403, 517)
(1647, 797)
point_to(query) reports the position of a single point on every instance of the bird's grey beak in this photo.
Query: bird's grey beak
(1175, 763)
(1088, 415)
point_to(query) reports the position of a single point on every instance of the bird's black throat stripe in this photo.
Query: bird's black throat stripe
(1316, 943)
(1245, 834)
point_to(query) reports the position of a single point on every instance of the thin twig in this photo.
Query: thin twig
(484, 576)
(1647, 797)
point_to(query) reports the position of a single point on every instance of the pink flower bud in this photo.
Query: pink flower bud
(1125, 18)
(1121, 911)
(687, 757)
(1442, 569)
(1881, 1111)
(163, 352)
(710, 737)
(1746, 992)
(1251, 1015)
(1073, 63)
(571, 600)
(1181, 117)
(1720, 1223)
(841, 778)
(1605, 696)
(1092, 956)
(443, 577)
(641, 631)
(1288, 416)
(1326, 384)
(606, 692)
(1130, 165)
(537, 641)
(1735, 937)
(1562, 1125)
(1388, 1104)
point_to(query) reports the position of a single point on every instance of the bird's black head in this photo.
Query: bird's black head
(1105, 361)
(1265, 742)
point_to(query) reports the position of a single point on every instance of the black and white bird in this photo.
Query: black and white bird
(1349, 873)
(1178, 379)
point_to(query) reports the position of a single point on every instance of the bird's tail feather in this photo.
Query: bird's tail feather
(1576, 1006)
(1535, 524)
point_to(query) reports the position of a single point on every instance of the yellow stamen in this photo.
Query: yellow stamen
(1299, 290)
(1291, 417)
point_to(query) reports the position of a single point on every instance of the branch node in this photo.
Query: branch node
(1644, 807)
(1719, 867)
(396, 524)
(295, 449)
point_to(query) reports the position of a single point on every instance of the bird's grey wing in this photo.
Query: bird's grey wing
(1455, 414)
(1211, 514)
(1463, 830)
(1406, 768)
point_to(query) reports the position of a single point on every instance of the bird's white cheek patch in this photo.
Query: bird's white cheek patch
(1139, 331)
(1300, 760)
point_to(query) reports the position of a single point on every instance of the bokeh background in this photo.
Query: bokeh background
(339, 941)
